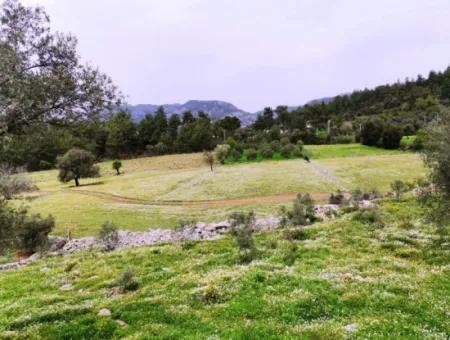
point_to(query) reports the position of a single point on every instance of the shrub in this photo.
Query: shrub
(161, 149)
(391, 137)
(252, 154)
(33, 231)
(266, 151)
(290, 254)
(302, 212)
(398, 187)
(116, 165)
(76, 164)
(126, 281)
(286, 150)
(370, 216)
(221, 152)
(275, 145)
(297, 234)
(297, 151)
(242, 228)
(285, 141)
(22, 232)
(108, 236)
(211, 294)
(235, 154)
(12, 182)
(337, 198)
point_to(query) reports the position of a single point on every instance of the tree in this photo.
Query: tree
(116, 165)
(398, 187)
(146, 128)
(437, 157)
(76, 164)
(371, 132)
(122, 135)
(391, 136)
(41, 77)
(209, 159)
(173, 125)
(221, 152)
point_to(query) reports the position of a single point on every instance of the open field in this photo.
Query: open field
(349, 280)
(161, 191)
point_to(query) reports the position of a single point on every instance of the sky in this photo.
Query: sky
(255, 53)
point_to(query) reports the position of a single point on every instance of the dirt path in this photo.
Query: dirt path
(280, 198)
(325, 173)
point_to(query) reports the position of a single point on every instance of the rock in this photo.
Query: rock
(104, 312)
(353, 327)
(347, 277)
(66, 287)
(56, 243)
(121, 323)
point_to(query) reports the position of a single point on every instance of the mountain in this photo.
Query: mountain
(215, 108)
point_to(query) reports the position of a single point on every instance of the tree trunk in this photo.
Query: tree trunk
(118, 172)
(211, 167)
(77, 183)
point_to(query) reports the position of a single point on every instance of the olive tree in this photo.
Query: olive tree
(76, 164)
(41, 77)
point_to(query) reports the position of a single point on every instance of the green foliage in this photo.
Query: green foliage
(252, 154)
(122, 134)
(116, 165)
(287, 150)
(266, 151)
(302, 212)
(20, 231)
(398, 187)
(221, 152)
(76, 164)
(242, 225)
(13, 183)
(126, 282)
(290, 254)
(108, 236)
(372, 217)
(391, 136)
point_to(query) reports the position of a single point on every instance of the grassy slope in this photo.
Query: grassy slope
(400, 289)
(185, 177)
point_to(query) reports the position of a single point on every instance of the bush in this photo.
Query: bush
(290, 254)
(295, 234)
(22, 232)
(391, 137)
(298, 151)
(275, 145)
(286, 150)
(12, 182)
(235, 154)
(343, 139)
(370, 216)
(337, 198)
(108, 236)
(126, 281)
(252, 154)
(32, 236)
(221, 152)
(242, 228)
(266, 151)
(302, 212)
(398, 187)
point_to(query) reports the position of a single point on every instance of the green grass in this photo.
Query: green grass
(134, 200)
(391, 282)
(347, 150)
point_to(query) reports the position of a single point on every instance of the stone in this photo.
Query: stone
(104, 312)
(121, 323)
(67, 286)
(353, 327)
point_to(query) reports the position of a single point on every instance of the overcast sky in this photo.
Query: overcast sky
(255, 53)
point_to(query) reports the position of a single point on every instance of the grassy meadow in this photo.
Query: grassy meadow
(350, 279)
(158, 192)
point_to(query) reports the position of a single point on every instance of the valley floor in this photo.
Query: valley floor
(158, 192)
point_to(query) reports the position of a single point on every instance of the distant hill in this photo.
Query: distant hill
(215, 108)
